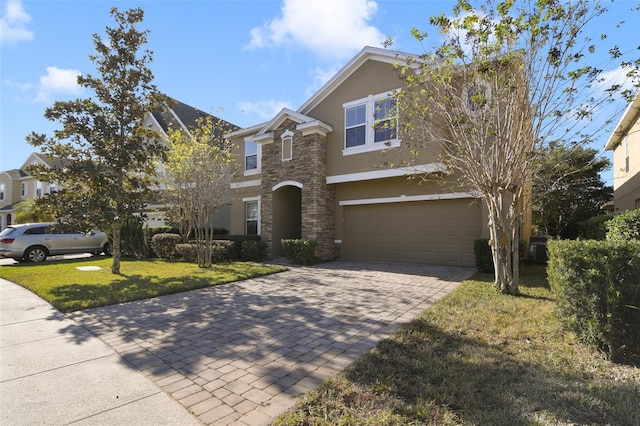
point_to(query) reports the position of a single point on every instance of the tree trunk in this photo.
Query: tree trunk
(502, 246)
(117, 254)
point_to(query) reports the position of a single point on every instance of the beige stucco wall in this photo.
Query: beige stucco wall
(372, 78)
(626, 184)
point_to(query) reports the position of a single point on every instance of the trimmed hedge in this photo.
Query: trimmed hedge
(484, 257)
(625, 226)
(221, 251)
(164, 245)
(187, 252)
(149, 231)
(300, 252)
(254, 250)
(597, 284)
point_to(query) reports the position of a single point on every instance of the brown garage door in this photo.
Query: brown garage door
(438, 232)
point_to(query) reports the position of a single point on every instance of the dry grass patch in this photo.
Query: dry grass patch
(479, 357)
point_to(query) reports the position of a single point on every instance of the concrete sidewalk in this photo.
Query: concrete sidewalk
(55, 372)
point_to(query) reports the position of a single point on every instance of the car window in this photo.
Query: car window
(7, 231)
(37, 230)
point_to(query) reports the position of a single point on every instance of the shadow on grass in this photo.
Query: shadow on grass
(72, 297)
(479, 383)
(293, 329)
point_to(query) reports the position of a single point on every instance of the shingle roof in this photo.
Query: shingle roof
(185, 115)
(16, 173)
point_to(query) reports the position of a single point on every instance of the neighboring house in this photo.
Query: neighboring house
(17, 186)
(625, 144)
(318, 173)
(184, 117)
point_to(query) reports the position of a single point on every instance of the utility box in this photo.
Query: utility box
(538, 249)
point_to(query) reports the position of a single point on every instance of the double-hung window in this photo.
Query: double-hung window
(2, 191)
(251, 157)
(23, 189)
(252, 216)
(370, 124)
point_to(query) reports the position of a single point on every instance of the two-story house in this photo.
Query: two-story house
(319, 173)
(625, 144)
(17, 185)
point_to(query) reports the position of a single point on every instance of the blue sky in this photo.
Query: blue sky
(250, 58)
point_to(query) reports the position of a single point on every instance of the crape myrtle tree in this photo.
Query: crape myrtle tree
(506, 79)
(198, 169)
(568, 188)
(108, 155)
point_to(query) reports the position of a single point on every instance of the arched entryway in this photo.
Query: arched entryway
(287, 214)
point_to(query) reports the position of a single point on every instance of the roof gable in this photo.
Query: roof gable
(628, 119)
(368, 53)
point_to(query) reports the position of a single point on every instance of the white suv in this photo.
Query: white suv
(33, 242)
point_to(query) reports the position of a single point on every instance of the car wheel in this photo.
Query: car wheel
(107, 249)
(35, 254)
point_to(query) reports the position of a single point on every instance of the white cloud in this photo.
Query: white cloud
(320, 77)
(58, 82)
(331, 29)
(616, 76)
(17, 85)
(265, 110)
(12, 24)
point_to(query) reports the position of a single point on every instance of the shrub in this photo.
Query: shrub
(484, 257)
(223, 251)
(148, 233)
(254, 250)
(132, 238)
(594, 228)
(187, 252)
(164, 245)
(598, 292)
(301, 252)
(625, 226)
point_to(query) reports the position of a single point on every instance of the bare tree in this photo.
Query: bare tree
(198, 170)
(508, 78)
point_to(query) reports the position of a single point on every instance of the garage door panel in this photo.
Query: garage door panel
(439, 232)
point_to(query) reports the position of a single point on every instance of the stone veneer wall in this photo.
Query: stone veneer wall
(308, 166)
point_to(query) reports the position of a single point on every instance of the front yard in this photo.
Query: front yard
(478, 357)
(69, 288)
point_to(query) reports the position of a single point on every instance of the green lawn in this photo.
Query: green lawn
(68, 289)
(479, 358)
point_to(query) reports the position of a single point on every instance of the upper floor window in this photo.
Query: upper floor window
(626, 154)
(251, 156)
(23, 189)
(370, 124)
(38, 188)
(2, 191)
(287, 145)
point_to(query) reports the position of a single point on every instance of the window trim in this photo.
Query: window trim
(258, 155)
(370, 144)
(627, 165)
(246, 200)
(287, 140)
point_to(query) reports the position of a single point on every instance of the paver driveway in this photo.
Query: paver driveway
(242, 353)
